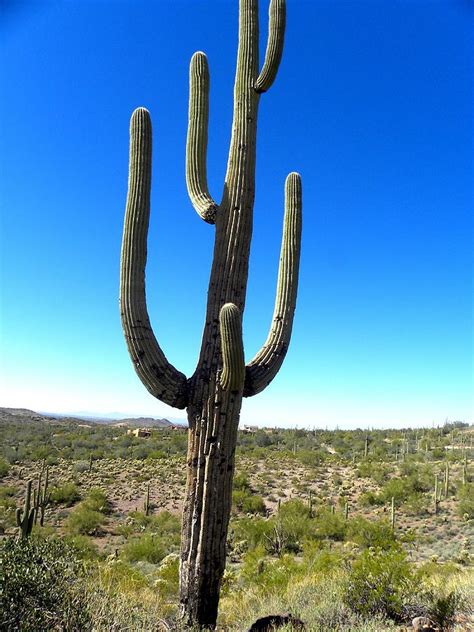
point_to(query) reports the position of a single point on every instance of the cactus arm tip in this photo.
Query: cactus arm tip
(196, 144)
(159, 377)
(274, 51)
(266, 364)
(233, 363)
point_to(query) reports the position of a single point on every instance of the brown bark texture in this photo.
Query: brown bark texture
(213, 395)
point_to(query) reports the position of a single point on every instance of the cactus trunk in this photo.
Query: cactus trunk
(213, 395)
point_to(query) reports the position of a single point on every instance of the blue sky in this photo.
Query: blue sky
(372, 105)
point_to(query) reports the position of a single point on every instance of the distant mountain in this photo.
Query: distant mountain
(27, 416)
(142, 422)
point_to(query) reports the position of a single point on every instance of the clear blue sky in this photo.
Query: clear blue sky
(372, 105)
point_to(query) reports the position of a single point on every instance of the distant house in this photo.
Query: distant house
(249, 429)
(143, 433)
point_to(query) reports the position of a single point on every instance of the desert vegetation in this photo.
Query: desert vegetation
(312, 530)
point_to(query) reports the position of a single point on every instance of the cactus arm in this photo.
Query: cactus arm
(159, 377)
(265, 365)
(233, 364)
(196, 146)
(276, 36)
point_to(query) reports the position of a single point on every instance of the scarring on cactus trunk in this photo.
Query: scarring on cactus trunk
(213, 394)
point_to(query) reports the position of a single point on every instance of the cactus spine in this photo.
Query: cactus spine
(25, 518)
(213, 394)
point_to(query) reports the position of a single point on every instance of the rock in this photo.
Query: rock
(274, 621)
(423, 624)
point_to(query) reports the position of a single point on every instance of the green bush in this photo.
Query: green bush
(331, 526)
(241, 482)
(96, 500)
(248, 502)
(466, 501)
(379, 583)
(84, 521)
(83, 547)
(41, 587)
(148, 548)
(4, 468)
(66, 494)
(367, 533)
(443, 606)
(249, 533)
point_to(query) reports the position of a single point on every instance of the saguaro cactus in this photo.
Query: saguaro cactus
(213, 394)
(41, 497)
(25, 518)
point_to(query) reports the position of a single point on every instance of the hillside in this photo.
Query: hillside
(311, 518)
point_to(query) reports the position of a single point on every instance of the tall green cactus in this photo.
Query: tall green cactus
(41, 496)
(26, 518)
(213, 394)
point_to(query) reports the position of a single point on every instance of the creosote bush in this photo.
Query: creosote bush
(66, 494)
(41, 586)
(379, 583)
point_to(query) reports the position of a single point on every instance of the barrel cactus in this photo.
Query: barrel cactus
(213, 395)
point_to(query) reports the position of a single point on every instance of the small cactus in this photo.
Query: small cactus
(25, 518)
(446, 480)
(146, 502)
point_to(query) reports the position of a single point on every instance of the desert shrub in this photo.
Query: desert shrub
(96, 500)
(269, 574)
(331, 526)
(378, 472)
(82, 546)
(7, 507)
(84, 521)
(380, 582)
(4, 468)
(367, 533)
(66, 494)
(249, 533)
(247, 502)
(443, 606)
(417, 504)
(369, 499)
(397, 488)
(291, 527)
(81, 466)
(241, 482)
(466, 501)
(41, 587)
(167, 577)
(148, 548)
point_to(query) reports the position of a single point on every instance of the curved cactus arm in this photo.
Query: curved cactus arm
(196, 146)
(233, 363)
(160, 377)
(276, 36)
(266, 364)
